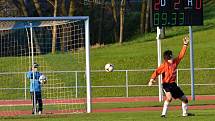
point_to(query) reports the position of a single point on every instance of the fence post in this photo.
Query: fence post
(76, 84)
(177, 76)
(25, 87)
(126, 82)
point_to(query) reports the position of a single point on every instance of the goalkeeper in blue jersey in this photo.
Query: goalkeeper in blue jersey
(35, 88)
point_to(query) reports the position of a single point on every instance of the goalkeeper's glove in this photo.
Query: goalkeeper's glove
(151, 82)
(186, 40)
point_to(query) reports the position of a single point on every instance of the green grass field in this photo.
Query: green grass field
(200, 115)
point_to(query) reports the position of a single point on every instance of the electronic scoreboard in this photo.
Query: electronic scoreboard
(177, 12)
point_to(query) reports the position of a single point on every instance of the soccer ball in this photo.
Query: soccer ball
(43, 79)
(109, 67)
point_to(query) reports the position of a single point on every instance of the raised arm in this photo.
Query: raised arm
(183, 50)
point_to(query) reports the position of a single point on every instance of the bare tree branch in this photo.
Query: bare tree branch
(37, 5)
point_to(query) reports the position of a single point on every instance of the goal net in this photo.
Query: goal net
(60, 46)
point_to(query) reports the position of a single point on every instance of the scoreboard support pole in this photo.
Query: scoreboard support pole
(159, 63)
(192, 64)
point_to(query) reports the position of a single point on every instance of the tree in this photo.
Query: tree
(60, 7)
(54, 28)
(63, 8)
(122, 15)
(162, 35)
(143, 17)
(37, 6)
(22, 6)
(72, 8)
(113, 4)
(100, 33)
(147, 23)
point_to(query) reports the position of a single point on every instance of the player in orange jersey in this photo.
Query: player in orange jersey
(168, 70)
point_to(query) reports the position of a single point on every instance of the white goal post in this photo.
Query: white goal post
(61, 47)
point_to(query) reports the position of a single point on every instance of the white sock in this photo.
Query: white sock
(184, 107)
(165, 107)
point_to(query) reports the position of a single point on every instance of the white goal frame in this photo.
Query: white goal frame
(87, 44)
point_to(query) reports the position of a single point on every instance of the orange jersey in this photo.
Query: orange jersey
(168, 70)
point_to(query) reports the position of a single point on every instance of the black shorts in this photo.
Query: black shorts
(173, 89)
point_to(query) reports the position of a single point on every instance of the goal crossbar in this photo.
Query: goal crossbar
(23, 22)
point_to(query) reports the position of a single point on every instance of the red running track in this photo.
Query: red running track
(98, 100)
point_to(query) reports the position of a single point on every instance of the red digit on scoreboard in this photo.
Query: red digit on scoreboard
(177, 2)
(157, 5)
(198, 4)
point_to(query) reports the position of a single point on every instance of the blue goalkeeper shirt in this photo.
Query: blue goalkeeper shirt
(34, 84)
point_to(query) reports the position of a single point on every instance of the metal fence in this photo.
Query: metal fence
(125, 83)
(204, 77)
